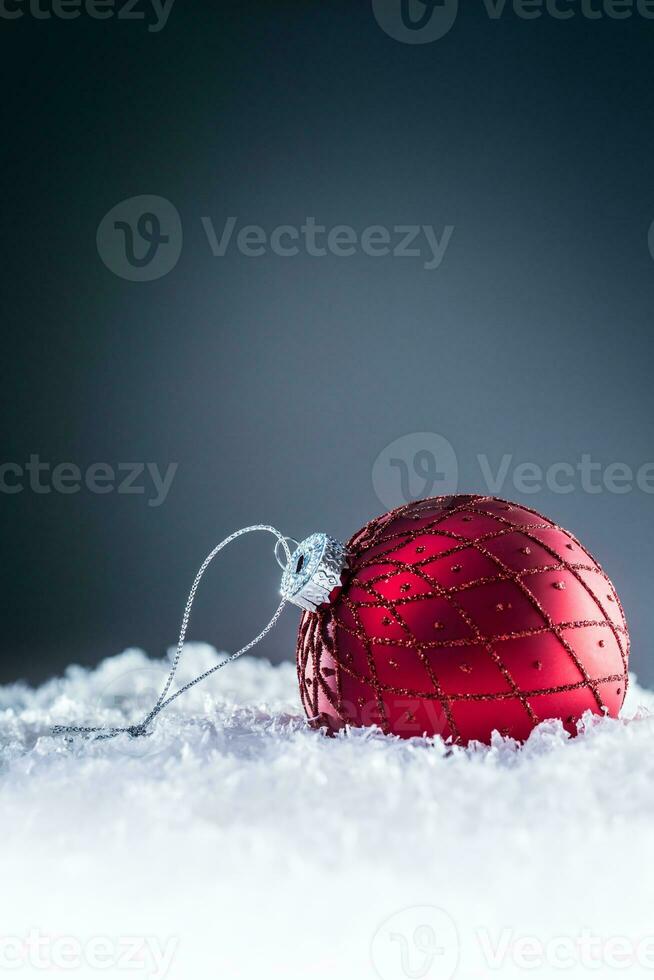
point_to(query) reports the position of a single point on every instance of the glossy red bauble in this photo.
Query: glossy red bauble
(462, 615)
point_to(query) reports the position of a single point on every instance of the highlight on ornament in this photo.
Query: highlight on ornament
(455, 616)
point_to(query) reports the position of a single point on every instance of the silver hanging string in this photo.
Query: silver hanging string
(102, 732)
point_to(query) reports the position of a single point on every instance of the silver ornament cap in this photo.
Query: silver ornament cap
(316, 568)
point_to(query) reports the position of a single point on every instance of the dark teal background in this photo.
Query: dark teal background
(275, 382)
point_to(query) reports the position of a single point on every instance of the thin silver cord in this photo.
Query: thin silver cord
(163, 700)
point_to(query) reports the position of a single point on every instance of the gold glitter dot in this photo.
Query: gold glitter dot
(526, 550)
(392, 663)
(559, 585)
(420, 549)
(570, 547)
(610, 598)
(456, 568)
(571, 719)
(466, 668)
(602, 643)
(386, 620)
(405, 587)
(619, 691)
(361, 702)
(410, 716)
(538, 664)
(438, 626)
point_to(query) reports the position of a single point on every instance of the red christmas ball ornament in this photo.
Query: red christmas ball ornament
(456, 616)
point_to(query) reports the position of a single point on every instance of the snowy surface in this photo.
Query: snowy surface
(236, 843)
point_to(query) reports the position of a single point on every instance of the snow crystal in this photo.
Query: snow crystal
(234, 842)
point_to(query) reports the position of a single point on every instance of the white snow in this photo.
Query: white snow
(236, 843)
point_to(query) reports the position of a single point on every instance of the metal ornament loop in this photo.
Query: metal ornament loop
(316, 568)
(279, 544)
(141, 729)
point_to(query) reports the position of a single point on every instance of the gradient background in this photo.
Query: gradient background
(275, 382)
